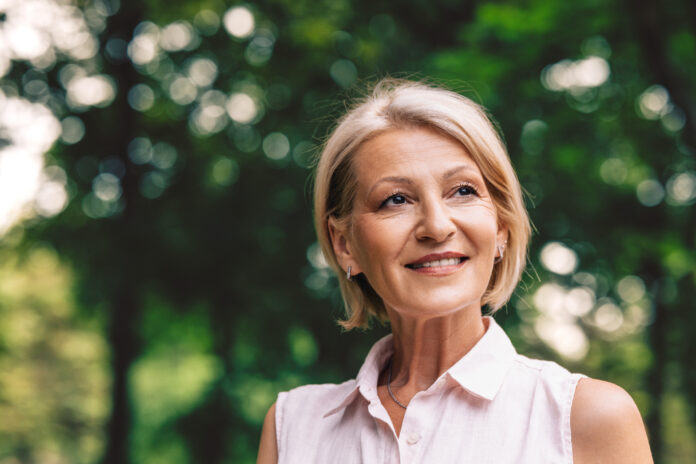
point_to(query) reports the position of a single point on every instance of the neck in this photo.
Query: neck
(426, 348)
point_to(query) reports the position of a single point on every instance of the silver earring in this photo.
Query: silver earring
(348, 273)
(500, 253)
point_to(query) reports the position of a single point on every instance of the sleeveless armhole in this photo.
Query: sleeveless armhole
(568, 404)
(279, 415)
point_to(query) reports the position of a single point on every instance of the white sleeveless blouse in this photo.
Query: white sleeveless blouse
(493, 406)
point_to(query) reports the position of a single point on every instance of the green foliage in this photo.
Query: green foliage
(189, 289)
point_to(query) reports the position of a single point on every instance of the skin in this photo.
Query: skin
(419, 193)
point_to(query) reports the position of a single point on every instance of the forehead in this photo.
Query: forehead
(412, 151)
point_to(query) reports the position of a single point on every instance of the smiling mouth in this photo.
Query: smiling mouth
(438, 263)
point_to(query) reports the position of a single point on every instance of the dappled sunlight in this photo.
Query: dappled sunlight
(566, 338)
(571, 75)
(177, 36)
(85, 91)
(155, 144)
(49, 347)
(144, 47)
(30, 129)
(36, 30)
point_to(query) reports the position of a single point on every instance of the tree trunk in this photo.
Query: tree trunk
(121, 255)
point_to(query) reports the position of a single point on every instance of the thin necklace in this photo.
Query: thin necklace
(389, 385)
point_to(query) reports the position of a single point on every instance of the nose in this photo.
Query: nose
(435, 222)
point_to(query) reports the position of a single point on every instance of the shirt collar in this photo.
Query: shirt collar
(480, 371)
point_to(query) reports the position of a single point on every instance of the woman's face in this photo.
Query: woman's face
(424, 229)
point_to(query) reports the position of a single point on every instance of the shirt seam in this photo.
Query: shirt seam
(280, 403)
(568, 404)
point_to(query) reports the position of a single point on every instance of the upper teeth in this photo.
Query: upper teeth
(438, 262)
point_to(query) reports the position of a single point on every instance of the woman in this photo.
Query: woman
(419, 211)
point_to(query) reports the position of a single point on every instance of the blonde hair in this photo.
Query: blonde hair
(397, 103)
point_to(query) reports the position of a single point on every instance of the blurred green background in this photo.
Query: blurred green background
(159, 277)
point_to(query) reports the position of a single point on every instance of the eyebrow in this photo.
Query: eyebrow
(405, 180)
(454, 171)
(393, 179)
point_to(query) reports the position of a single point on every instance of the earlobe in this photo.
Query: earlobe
(501, 243)
(342, 247)
(502, 235)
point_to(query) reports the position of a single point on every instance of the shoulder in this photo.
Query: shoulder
(268, 448)
(606, 425)
(301, 410)
(308, 403)
(555, 379)
(318, 394)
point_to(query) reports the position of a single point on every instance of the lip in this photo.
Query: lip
(439, 271)
(436, 256)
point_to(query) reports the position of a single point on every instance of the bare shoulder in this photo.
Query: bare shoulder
(268, 448)
(606, 425)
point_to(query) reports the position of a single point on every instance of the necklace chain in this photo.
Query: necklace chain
(389, 385)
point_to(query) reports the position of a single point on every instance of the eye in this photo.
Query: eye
(396, 199)
(466, 190)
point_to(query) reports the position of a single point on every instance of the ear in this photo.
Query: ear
(342, 247)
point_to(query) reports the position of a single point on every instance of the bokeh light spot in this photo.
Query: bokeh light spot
(145, 44)
(163, 155)
(276, 146)
(224, 171)
(558, 258)
(72, 130)
(343, 72)
(153, 184)
(533, 135)
(650, 192)
(202, 71)
(107, 187)
(241, 108)
(140, 150)
(681, 188)
(579, 301)
(566, 338)
(239, 22)
(631, 288)
(653, 102)
(98, 90)
(303, 346)
(207, 22)
(182, 91)
(586, 73)
(613, 171)
(176, 36)
(608, 317)
(316, 257)
(141, 97)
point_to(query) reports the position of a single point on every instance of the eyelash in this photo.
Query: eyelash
(473, 189)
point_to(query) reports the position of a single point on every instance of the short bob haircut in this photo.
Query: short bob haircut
(395, 104)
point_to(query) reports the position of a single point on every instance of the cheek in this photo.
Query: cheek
(377, 239)
(479, 223)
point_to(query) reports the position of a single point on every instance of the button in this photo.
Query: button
(441, 383)
(413, 438)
